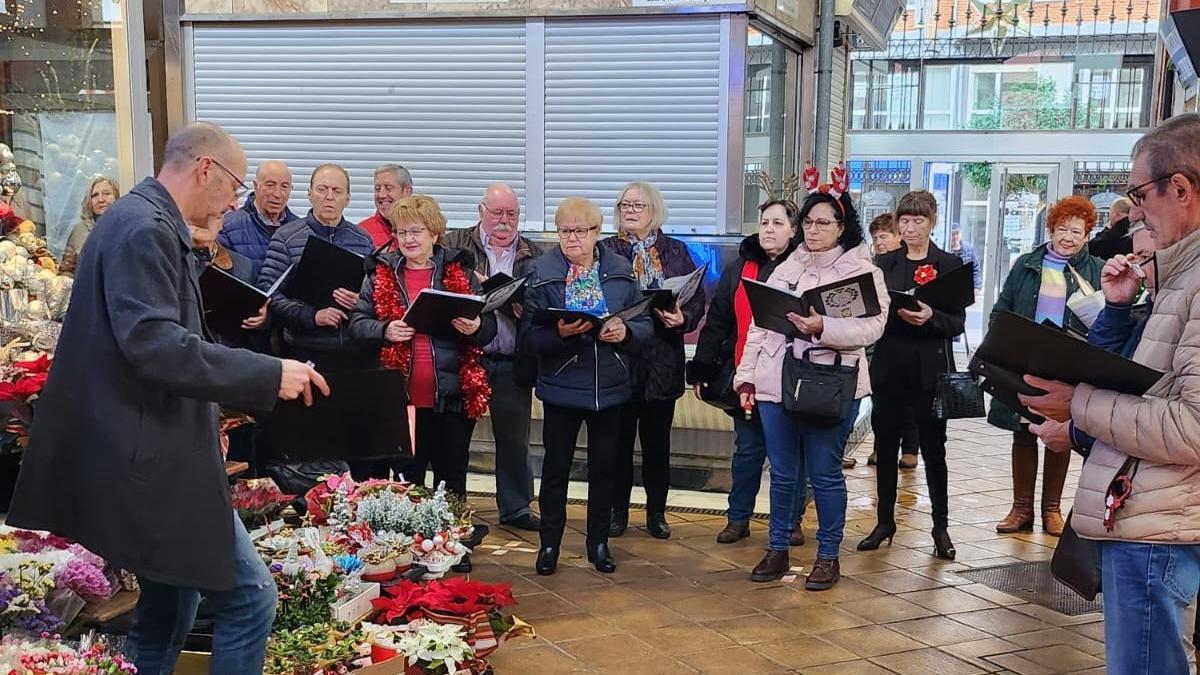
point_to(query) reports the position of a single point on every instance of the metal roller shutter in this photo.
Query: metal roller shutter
(635, 100)
(446, 100)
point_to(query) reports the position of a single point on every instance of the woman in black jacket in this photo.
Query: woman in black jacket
(447, 383)
(583, 374)
(719, 349)
(658, 365)
(914, 351)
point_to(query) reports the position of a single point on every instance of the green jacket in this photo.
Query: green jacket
(1020, 296)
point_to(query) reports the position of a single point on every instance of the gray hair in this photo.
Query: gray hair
(654, 201)
(1171, 148)
(198, 139)
(85, 211)
(403, 177)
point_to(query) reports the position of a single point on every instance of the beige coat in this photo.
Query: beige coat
(1162, 427)
(762, 361)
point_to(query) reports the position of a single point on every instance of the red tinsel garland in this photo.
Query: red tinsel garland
(389, 306)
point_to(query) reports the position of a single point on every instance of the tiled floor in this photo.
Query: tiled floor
(687, 605)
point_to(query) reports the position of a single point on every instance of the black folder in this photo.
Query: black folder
(1015, 346)
(676, 291)
(433, 310)
(323, 268)
(551, 316)
(950, 292)
(364, 417)
(228, 301)
(848, 298)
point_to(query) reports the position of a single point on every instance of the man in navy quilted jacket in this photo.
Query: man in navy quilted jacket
(248, 230)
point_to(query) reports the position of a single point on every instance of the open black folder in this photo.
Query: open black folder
(951, 292)
(364, 417)
(433, 310)
(676, 291)
(228, 301)
(323, 268)
(849, 298)
(551, 316)
(1015, 346)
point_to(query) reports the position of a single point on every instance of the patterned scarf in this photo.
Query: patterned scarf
(647, 266)
(583, 290)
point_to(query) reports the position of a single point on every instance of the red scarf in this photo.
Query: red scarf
(389, 306)
(741, 309)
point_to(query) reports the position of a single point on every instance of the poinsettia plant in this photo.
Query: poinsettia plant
(257, 499)
(456, 596)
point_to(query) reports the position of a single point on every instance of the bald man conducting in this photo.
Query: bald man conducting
(498, 247)
(249, 229)
(124, 456)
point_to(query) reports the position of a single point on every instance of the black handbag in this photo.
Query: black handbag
(1076, 563)
(719, 391)
(822, 394)
(957, 395)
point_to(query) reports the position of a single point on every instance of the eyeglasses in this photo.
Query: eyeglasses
(575, 232)
(500, 213)
(819, 224)
(1137, 193)
(242, 187)
(636, 207)
(414, 233)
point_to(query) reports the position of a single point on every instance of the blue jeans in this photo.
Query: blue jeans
(749, 453)
(796, 449)
(1147, 590)
(244, 615)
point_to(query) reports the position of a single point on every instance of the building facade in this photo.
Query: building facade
(1000, 109)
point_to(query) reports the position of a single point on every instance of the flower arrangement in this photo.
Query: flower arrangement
(88, 581)
(25, 379)
(433, 648)
(257, 500)
(305, 598)
(50, 656)
(325, 648)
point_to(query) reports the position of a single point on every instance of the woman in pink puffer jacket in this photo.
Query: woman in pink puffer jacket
(833, 250)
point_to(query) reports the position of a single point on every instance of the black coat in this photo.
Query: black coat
(366, 328)
(658, 363)
(124, 456)
(1112, 240)
(719, 334)
(582, 372)
(907, 357)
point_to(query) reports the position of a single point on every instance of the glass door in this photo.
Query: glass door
(1019, 199)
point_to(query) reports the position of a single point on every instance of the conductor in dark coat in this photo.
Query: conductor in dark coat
(124, 456)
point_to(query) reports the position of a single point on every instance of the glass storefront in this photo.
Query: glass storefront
(65, 117)
(770, 111)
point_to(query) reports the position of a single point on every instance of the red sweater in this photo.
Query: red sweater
(422, 379)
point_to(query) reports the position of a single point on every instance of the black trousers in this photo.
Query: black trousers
(888, 418)
(443, 440)
(560, 435)
(649, 421)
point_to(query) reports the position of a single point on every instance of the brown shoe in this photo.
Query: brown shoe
(825, 573)
(908, 461)
(1054, 475)
(1024, 473)
(1053, 523)
(797, 535)
(733, 532)
(772, 567)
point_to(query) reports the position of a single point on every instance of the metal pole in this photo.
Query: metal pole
(824, 85)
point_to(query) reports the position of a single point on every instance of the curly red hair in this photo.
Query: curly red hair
(1072, 207)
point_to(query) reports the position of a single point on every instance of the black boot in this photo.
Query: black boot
(882, 531)
(942, 546)
(656, 525)
(618, 523)
(547, 560)
(600, 556)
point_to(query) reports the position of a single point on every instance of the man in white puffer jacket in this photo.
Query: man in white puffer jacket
(1150, 545)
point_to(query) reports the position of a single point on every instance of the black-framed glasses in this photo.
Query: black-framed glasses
(243, 189)
(575, 232)
(1137, 193)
